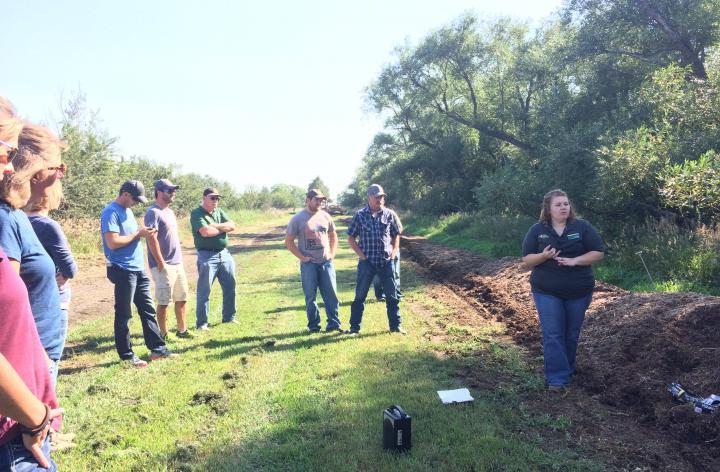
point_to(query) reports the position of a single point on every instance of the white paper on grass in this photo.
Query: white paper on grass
(455, 396)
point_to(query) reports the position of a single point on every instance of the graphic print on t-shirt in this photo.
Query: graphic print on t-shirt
(316, 237)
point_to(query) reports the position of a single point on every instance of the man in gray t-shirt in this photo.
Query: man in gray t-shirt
(165, 259)
(317, 242)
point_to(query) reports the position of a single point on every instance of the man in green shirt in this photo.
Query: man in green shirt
(210, 228)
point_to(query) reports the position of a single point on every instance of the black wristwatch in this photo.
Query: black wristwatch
(43, 426)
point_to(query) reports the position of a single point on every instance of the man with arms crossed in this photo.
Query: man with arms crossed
(317, 243)
(210, 228)
(165, 258)
(125, 259)
(379, 232)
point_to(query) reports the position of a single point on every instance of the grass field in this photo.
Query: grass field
(267, 395)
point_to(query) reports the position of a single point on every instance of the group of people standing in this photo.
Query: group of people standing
(121, 237)
(378, 229)
(36, 264)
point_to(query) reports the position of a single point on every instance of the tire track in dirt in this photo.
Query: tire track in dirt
(632, 346)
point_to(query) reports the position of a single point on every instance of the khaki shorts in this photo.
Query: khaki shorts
(171, 284)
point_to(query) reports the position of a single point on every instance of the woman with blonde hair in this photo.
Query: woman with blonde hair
(28, 406)
(561, 249)
(46, 195)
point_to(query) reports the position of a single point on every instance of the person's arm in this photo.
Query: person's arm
(116, 241)
(19, 403)
(292, 247)
(333, 240)
(154, 248)
(395, 247)
(59, 250)
(589, 258)
(210, 230)
(531, 260)
(354, 245)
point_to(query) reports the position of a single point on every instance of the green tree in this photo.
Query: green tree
(319, 184)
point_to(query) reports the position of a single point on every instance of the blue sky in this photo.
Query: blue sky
(250, 92)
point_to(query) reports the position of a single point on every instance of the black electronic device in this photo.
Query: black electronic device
(397, 434)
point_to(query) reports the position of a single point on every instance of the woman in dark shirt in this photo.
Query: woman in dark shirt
(561, 249)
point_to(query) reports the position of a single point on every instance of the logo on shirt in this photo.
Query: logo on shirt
(573, 236)
(544, 236)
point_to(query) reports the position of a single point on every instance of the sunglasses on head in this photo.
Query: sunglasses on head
(12, 151)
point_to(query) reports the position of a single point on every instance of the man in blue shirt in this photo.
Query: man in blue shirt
(125, 269)
(379, 231)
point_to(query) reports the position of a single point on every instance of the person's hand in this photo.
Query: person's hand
(34, 443)
(144, 232)
(550, 253)
(160, 266)
(305, 259)
(60, 280)
(566, 261)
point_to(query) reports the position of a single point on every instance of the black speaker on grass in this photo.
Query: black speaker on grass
(397, 435)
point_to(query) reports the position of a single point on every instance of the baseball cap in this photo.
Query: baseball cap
(375, 190)
(164, 185)
(136, 189)
(211, 191)
(315, 193)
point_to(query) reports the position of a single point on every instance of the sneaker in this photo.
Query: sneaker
(160, 355)
(314, 330)
(185, 334)
(399, 330)
(232, 321)
(164, 335)
(203, 327)
(135, 361)
(352, 332)
(380, 300)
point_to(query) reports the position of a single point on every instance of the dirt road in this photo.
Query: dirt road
(92, 292)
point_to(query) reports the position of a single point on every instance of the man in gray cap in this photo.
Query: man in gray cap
(210, 228)
(317, 242)
(125, 269)
(379, 231)
(165, 258)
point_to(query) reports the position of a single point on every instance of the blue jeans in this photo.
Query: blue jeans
(65, 295)
(322, 276)
(133, 287)
(15, 457)
(377, 283)
(561, 321)
(365, 274)
(212, 265)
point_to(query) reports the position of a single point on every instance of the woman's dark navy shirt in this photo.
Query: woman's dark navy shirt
(565, 282)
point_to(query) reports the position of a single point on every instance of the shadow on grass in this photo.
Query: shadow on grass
(333, 421)
(301, 308)
(270, 343)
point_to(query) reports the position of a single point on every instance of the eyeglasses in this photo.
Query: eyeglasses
(12, 151)
(215, 198)
(62, 167)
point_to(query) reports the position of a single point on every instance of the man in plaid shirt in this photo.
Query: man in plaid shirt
(379, 232)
